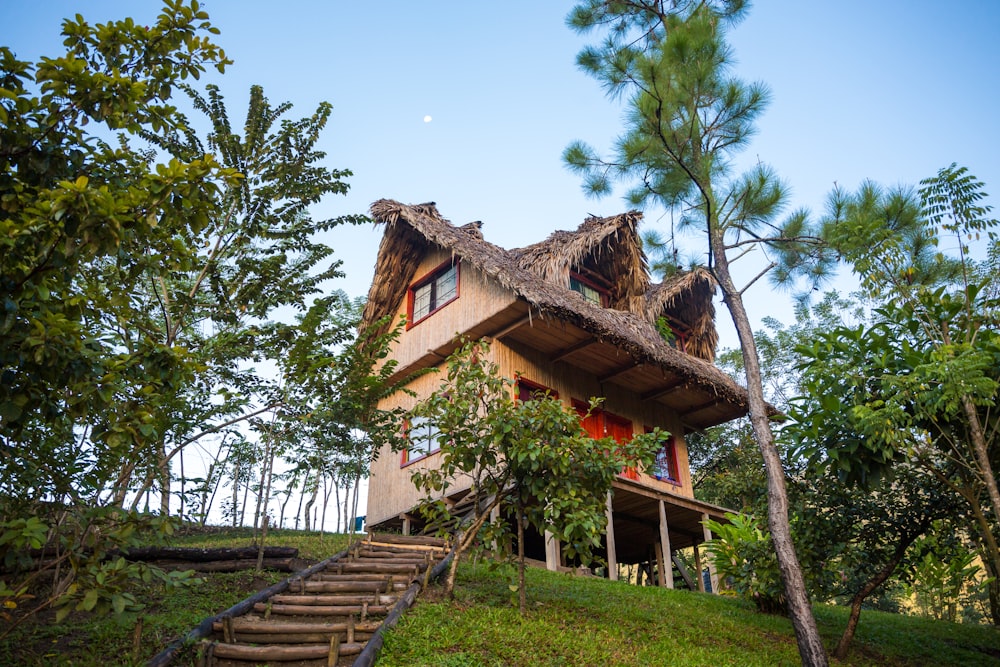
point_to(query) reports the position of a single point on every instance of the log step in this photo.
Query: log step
(260, 626)
(399, 540)
(334, 599)
(321, 610)
(371, 587)
(280, 653)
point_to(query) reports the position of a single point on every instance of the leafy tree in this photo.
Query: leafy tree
(254, 258)
(72, 399)
(533, 455)
(687, 116)
(919, 383)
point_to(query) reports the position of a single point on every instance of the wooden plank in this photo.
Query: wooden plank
(280, 653)
(261, 627)
(319, 610)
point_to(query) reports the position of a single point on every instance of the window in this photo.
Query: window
(529, 391)
(600, 424)
(591, 292)
(422, 439)
(432, 292)
(665, 465)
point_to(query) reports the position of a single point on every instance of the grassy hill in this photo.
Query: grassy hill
(572, 621)
(582, 622)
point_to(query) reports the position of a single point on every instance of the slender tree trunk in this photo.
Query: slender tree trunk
(852, 621)
(522, 596)
(982, 454)
(326, 502)
(312, 500)
(182, 480)
(465, 540)
(810, 645)
(354, 505)
(236, 491)
(165, 485)
(336, 501)
(302, 495)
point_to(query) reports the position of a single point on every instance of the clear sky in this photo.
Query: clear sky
(891, 90)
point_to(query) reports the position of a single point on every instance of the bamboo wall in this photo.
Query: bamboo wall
(390, 491)
(478, 300)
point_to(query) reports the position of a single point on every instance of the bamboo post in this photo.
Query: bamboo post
(610, 541)
(661, 579)
(334, 655)
(713, 575)
(668, 569)
(697, 567)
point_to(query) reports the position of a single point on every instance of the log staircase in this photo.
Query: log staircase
(328, 616)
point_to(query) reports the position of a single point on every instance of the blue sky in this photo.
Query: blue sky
(890, 90)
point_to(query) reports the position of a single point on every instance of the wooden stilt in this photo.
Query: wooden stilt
(713, 575)
(668, 568)
(610, 541)
(661, 579)
(697, 567)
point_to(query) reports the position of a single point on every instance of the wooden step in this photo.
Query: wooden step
(257, 625)
(395, 540)
(363, 610)
(339, 587)
(260, 654)
(374, 598)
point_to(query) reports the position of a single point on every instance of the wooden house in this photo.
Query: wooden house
(575, 314)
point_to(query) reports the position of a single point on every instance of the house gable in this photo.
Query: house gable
(534, 307)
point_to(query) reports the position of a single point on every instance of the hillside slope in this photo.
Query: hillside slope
(586, 621)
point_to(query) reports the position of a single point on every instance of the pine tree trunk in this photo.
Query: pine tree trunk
(810, 645)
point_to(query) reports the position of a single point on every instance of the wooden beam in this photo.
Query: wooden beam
(621, 370)
(684, 572)
(559, 355)
(510, 328)
(699, 406)
(660, 392)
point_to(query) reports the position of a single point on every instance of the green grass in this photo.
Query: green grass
(583, 622)
(88, 641)
(572, 621)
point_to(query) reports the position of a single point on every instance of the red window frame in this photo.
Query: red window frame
(527, 389)
(602, 291)
(426, 279)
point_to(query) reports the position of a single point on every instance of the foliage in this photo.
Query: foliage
(918, 382)
(140, 266)
(940, 585)
(687, 116)
(744, 556)
(533, 455)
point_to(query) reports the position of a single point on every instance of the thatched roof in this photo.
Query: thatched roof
(608, 247)
(538, 274)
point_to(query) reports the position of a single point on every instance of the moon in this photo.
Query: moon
(427, 119)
